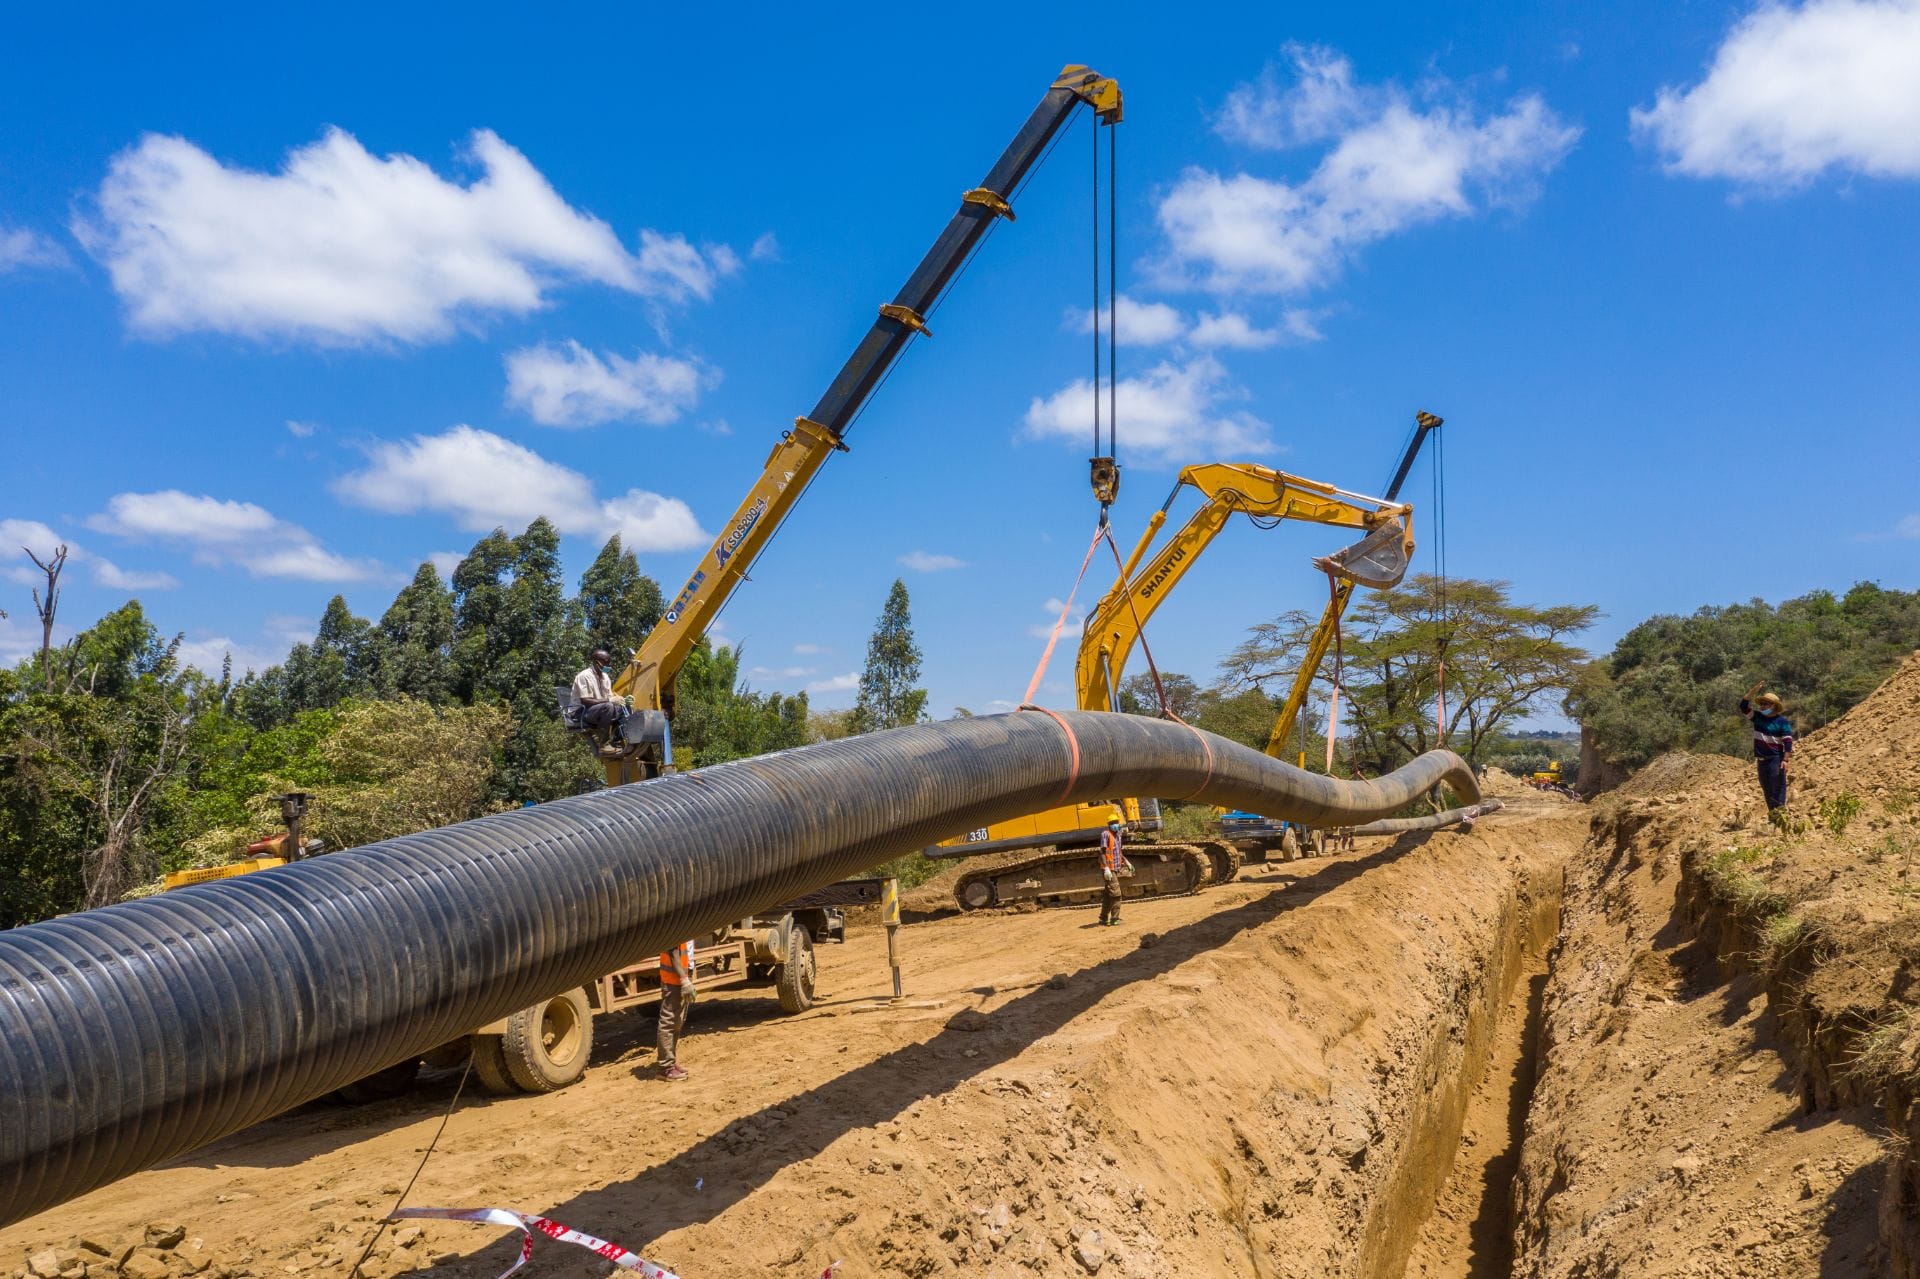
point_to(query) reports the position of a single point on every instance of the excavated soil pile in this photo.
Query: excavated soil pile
(1730, 1051)
(1268, 1078)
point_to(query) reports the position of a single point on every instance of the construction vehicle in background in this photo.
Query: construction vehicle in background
(1257, 837)
(1069, 874)
(641, 744)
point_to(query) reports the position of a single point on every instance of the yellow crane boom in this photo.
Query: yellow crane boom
(641, 746)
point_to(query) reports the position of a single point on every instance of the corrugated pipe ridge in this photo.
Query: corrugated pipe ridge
(134, 1033)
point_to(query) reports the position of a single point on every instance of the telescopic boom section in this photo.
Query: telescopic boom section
(648, 678)
(1114, 626)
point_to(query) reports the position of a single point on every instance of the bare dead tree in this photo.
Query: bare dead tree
(51, 566)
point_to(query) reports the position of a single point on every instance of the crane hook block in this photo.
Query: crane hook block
(993, 200)
(1106, 480)
(1427, 421)
(907, 316)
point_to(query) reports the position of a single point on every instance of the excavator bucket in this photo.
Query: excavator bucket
(1378, 560)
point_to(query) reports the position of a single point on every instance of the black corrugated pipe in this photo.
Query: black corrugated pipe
(136, 1032)
(1432, 821)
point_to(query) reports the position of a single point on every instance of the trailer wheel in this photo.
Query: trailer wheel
(380, 1085)
(490, 1066)
(796, 974)
(546, 1046)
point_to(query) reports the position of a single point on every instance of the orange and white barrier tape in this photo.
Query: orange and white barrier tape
(551, 1229)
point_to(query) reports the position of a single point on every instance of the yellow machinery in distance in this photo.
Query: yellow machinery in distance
(1111, 631)
(640, 746)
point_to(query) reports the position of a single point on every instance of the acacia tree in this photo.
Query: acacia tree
(888, 696)
(1500, 660)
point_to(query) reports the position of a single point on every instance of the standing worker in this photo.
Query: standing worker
(676, 1001)
(1113, 864)
(1772, 744)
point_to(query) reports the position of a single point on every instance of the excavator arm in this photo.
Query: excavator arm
(1114, 625)
(641, 743)
(1322, 639)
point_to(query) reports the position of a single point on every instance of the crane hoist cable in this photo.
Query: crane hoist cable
(1444, 631)
(1339, 673)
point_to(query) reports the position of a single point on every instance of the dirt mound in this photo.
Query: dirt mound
(1869, 750)
(1678, 772)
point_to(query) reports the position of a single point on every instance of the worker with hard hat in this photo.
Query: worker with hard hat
(1113, 866)
(1772, 743)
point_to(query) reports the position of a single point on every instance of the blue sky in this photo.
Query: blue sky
(287, 306)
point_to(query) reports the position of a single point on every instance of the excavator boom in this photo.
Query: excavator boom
(1424, 424)
(1114, 625)
(640, 748)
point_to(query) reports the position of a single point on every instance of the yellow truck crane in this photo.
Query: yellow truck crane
(1070, 874)
(641, 744)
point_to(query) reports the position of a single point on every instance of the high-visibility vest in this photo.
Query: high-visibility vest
(668, 977)
(1110, 856)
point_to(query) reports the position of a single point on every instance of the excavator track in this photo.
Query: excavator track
(1071, 877)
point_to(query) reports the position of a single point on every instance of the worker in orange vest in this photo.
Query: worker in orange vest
(1113, 864)
(676, 1001)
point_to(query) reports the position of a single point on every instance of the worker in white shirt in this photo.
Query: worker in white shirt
(593, 689)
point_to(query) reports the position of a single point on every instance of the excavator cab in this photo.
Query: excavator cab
(1378, 560)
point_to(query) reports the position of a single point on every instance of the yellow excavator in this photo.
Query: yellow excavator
(640, 745)
(1070, 875)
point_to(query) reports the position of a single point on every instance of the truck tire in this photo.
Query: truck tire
(490, 1066)
(380, 1085)
(795, 980)
(546, 1047)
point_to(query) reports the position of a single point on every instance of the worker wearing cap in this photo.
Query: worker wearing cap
(1772, 743)
(593, 690)
(676, 1001)
(1112, 864)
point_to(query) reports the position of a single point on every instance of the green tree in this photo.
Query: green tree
(1139, 697)
(85, 764)
(717, 717)
(416, 649)
(479, 617)
(617, 604)
(888, 695)
(1674, 683)
(1501, 660)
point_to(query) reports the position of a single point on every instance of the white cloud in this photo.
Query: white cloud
(765, 248)
(1393, 164)
(1909, 526)
(113, 577)
(1140, 323)
(1171, 412)
(344, 247)
(926, 562)
(782, 672)
(1321, 102)
(1076, 619)
(17, 537)
(482, 480)
(223, 532)
(444, 562)
(1793, 92)
(810, 650)
(1231, 330)
(837, 684)
(300, 430)
(649, 522)
(21, 248)
(572, 386)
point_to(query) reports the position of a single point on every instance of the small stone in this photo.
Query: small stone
(164, 1235)
(1149, 940)
(93, 1246)
(970, 1020)
(145, 1263)
(319, 1204)
(46, 1265)
(1090, 1251)
(1057, 982)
